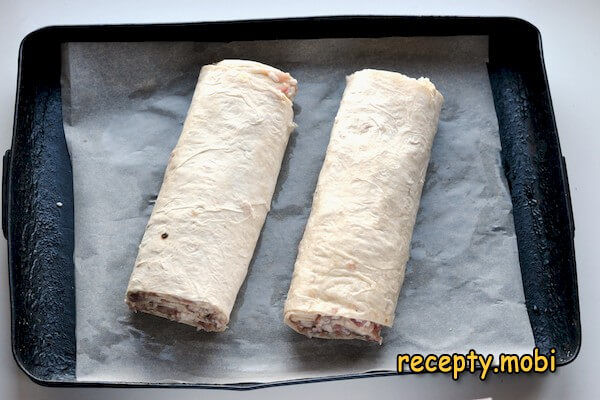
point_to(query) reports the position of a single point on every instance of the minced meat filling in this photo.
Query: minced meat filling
(182, 311)
(337, 327)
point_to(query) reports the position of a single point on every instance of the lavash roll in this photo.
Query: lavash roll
(215, 195)
(352, 258)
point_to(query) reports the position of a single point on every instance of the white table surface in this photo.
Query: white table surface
(571, 41)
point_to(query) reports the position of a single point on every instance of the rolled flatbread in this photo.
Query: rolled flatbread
(351, 260)
(215, 195)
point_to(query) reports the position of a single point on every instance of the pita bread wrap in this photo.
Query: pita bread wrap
(215, 195)
(351, 260)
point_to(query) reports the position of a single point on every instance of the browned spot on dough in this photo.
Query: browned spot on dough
(194, 213)
(351, 266)
(164, 235)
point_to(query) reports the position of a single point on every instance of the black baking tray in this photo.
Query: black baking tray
(37, 173)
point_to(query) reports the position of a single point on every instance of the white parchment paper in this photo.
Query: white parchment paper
(124, 106)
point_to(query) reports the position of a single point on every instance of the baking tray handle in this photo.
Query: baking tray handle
(5, 175)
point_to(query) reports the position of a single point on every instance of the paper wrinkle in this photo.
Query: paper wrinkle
(124, 106)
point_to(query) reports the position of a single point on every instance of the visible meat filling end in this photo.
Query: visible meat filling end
(336, 327)
(175, 309)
